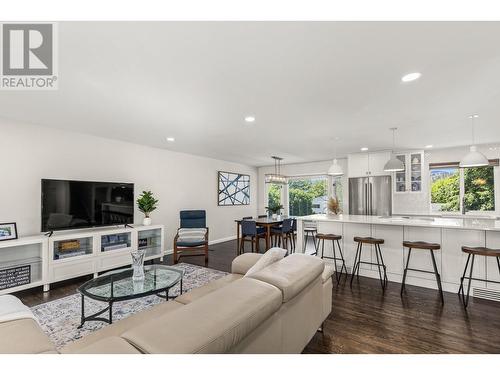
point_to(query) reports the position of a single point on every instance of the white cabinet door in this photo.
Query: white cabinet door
(357, 165)
(376, 163)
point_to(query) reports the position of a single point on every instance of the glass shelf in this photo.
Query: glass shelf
(65, 249)
(118, 241)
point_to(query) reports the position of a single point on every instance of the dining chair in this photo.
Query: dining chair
(283, 234)
(250, 232)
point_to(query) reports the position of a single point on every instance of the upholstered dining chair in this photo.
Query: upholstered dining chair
(192, 236)
(250, 232)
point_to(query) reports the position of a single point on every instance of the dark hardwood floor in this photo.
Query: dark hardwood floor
(363, 320)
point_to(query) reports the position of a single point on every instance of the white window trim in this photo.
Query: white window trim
(496, 183)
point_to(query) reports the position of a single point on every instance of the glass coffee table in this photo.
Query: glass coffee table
(119, 286)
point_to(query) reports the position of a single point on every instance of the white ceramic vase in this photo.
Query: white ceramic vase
(146, 221)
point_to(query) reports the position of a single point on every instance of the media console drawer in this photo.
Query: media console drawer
(69, 270)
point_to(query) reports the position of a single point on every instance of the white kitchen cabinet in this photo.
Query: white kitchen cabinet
(367, 164)
(410, 180)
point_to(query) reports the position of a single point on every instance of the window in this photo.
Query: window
(307, 195)
(274, 194)
(445, 189)
(453, 189)
(479, 189)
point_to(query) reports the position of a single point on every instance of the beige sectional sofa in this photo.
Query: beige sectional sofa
(276, 310)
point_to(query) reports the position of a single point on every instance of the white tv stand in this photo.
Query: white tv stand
(68, 254)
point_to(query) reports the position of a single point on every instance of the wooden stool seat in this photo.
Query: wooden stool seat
(487, 252)
(333, 237)
(369, 240)
(421, 245)
(310, 229)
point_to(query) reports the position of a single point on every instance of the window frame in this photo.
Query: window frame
(496, 188)
(329, 187)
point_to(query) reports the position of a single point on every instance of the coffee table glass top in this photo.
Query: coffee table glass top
(118, 285)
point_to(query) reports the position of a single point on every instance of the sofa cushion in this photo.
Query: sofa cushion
(328, 272)
(271, 256)
(291, 274)
(242, 263)
(11, 308)
(120, 326)
(109, 345)
(196, 293)
(23, 336)
(211, 324)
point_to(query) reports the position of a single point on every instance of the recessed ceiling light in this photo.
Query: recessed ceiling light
(411, 77)
(364, 148)
(250, 119)
(170, 139)
(428, 146)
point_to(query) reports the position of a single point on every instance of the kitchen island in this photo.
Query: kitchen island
(450, 233)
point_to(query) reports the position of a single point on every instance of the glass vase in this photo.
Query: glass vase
(138, 264)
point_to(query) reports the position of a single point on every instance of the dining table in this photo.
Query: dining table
(264, 222)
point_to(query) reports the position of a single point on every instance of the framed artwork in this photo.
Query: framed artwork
(234, 189)
(8, 231)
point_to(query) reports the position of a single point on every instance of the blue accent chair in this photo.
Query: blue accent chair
(192, 219)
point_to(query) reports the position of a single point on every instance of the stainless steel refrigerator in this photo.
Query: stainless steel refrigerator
(370, 196)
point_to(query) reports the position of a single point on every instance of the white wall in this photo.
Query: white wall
(179, 181)
(300, 169)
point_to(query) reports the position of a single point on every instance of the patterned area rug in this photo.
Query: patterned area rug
(60, 319)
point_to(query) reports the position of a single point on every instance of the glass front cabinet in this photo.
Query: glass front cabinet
(410, 180)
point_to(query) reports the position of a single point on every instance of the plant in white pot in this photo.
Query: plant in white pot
(147, 204)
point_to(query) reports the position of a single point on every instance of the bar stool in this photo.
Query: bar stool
(422, 246)
(482, 251)
(309, 232)
(334, 238)
(380, 260)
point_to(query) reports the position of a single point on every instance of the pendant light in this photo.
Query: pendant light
(474, 158)
(276, 177)
(394, 164)
(335, 169)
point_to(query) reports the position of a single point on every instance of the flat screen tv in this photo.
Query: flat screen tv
(85, 204)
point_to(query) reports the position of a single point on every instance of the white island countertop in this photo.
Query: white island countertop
(413, 221)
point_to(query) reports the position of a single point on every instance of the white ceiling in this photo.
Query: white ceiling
(305, 82)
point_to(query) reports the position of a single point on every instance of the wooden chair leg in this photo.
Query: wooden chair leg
(175, 254)
(206, 254)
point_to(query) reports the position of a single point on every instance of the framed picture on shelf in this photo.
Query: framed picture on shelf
(8, 231)
(233, 189)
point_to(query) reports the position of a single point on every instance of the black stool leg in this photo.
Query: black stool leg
(383, 264)
(356, 263)
(337, 276)
(314, 240)
(461, 289)
(405, 272)
(438, 277)
(322, 240)
(466, 300)
(382, 279)
(343, 260)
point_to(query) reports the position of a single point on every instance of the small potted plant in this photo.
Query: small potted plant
(274, 209)
(333, 206)
(146, 204)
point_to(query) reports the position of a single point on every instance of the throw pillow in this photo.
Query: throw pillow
(271, 256)
(191, 234)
